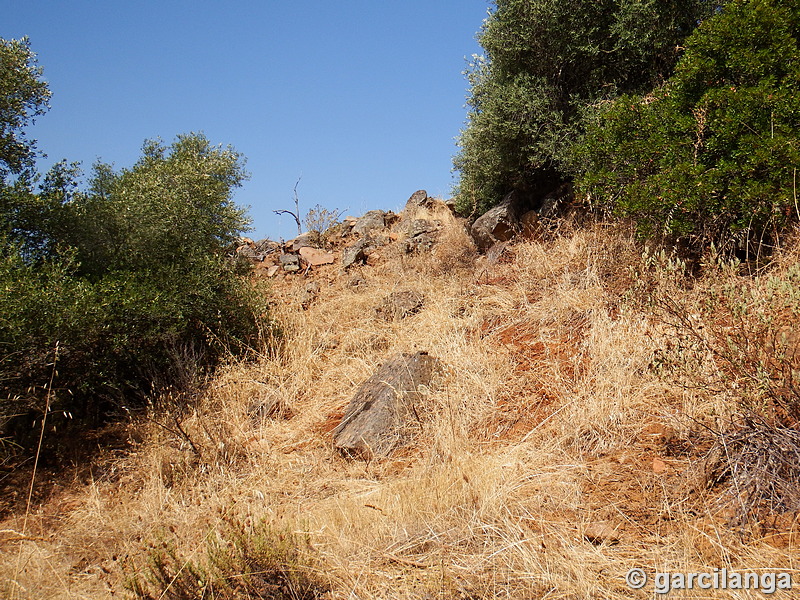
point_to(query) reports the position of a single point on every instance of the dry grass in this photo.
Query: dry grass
(551, 458)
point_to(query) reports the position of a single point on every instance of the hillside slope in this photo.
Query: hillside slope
(551, 456)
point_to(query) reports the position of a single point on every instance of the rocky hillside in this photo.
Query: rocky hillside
(440, 413)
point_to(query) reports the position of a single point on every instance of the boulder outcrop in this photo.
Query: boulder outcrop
(498, 224)
(377, 418)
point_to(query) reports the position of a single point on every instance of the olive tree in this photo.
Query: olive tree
(546, 63)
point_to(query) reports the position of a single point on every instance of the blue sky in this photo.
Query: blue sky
(362, 98)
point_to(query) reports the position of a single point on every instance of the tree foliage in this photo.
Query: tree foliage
(173, 207)
(23, 96)
(135, 281)
(122, 286)
(546, 62)
(712, 155)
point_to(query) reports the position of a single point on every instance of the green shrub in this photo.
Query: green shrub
(545, 62)
(712, 155)
(109, 293)
(134, 280)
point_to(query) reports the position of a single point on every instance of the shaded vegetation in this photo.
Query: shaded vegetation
(546, 64)
(120, 289)
(712, 155)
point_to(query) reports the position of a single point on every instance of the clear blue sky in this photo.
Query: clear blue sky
(363, 98)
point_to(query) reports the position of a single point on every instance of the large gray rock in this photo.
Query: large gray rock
(422, 235)
(289, 259)
(347, 226)
(370, 222)
(357, 252)
(498, 224)
(308, 238)
(290, 262)
(377, 419)
(266, 246)
(423, 226)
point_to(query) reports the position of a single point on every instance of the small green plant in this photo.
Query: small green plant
(243, 560)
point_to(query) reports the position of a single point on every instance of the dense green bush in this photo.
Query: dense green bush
(116, 290)
(546, 62)
(136, 283)
(712, 155)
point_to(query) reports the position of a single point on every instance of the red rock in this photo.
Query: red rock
(659, 466)
(315, 257)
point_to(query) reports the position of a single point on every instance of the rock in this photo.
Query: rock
(305, 239)
(550, 207)
(371, 221)
(256, 252)
(347, 225)
(451, 204)
(399, 305)
(315, 257)
(422, 226)
(290, 262)
(248, 252)
(358, 252)
(554, 204)
(261, 267)
(422, 235)
(498, 224)
(494, 253)
(418, 199)
(310, 295)
(391, 218)
(273, 270)
(377, 418)
(289, 259)
(420, 243)
(266, 246)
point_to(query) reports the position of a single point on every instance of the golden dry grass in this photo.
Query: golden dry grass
(549, 461)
